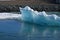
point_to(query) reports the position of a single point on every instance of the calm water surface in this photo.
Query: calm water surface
(15, 30)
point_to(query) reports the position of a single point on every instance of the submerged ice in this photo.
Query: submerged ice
(42, 18)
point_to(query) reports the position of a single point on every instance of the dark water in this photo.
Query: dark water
(16, 30)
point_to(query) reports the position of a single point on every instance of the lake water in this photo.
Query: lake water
(17, 30)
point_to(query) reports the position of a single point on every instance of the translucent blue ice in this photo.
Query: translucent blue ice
(42, 18)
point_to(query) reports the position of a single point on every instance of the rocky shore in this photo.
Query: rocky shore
(15, 8)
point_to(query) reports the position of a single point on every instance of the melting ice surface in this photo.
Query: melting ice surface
(41, 18)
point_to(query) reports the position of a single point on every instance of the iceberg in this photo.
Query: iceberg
(29, 15)
(33, 16)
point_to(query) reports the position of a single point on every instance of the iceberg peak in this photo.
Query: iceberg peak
(30, 15)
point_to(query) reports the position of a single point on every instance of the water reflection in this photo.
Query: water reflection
(37, 32)
(14, 30)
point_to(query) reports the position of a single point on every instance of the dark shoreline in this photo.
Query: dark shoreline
(15, 8)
